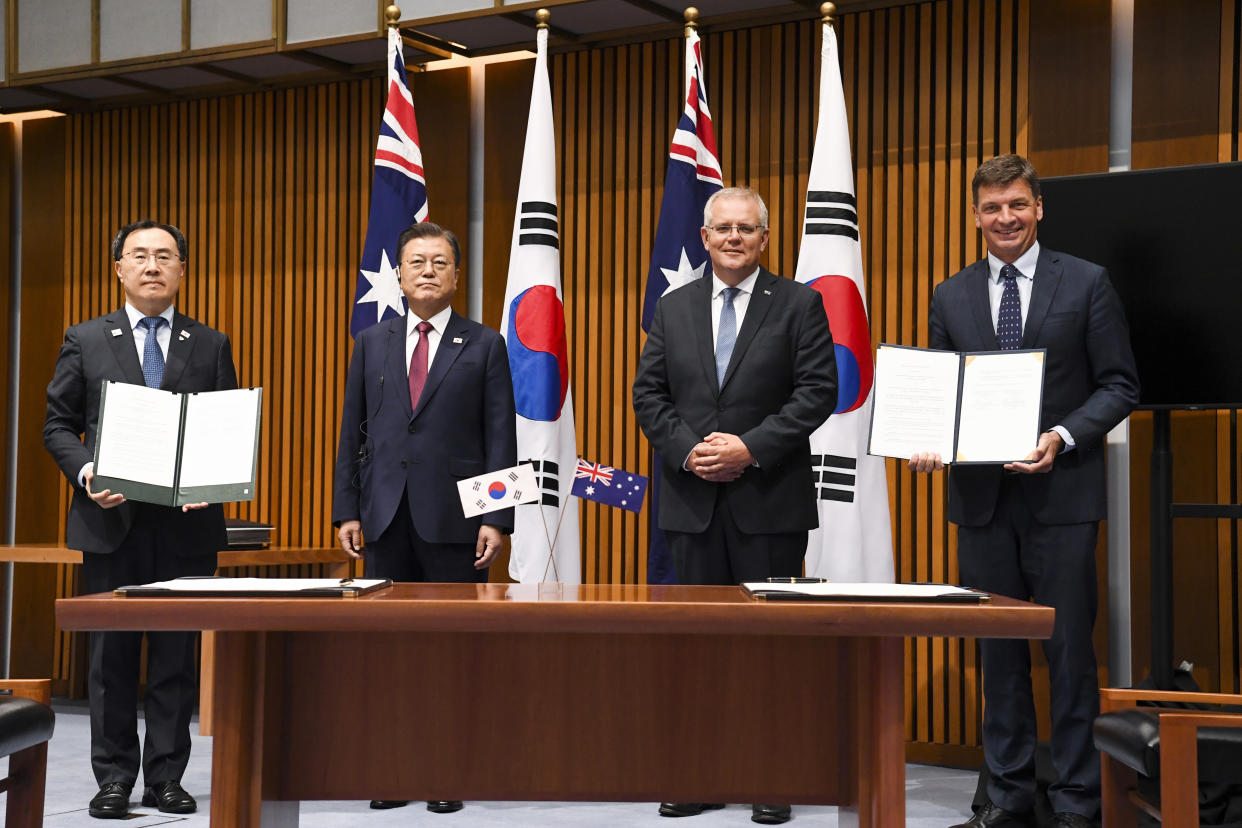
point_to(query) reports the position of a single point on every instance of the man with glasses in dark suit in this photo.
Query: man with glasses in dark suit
(145, 342)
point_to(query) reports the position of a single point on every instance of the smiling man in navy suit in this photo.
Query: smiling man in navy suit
(1028, 530)
(128, 542)
(428, 402)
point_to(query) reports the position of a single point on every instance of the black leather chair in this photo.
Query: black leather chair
(1178, 747)
(26, 725)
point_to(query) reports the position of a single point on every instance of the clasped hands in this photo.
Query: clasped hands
(719, 458)
(1038, 461)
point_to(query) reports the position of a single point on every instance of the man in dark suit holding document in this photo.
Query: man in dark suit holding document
(1028, 529)
(127, 542)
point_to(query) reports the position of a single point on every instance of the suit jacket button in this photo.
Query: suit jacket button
(403, 464)
(411, 428)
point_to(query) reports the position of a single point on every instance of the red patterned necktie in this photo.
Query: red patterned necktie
(418, 364)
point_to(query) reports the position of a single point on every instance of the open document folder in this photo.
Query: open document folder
(967, 407)
(795, 590)
(215, 587)
(173, 449)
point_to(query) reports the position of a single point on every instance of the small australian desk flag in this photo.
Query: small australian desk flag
(612, 487)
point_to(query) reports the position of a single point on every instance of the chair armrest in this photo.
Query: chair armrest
(1115, 698)
(39, 690)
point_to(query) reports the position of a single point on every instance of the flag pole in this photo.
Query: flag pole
(542, 16)
(392, 14)
(828, 10)
(692, 19)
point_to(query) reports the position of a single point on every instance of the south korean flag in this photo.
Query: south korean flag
(497, 490)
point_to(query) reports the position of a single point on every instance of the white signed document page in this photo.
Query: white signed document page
(139, 429)
(915, 403)
(221, 429)
(1001, 394)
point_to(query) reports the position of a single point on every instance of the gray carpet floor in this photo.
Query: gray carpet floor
(935, 797)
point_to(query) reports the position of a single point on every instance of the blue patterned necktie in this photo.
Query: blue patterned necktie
(726, 334)
(152, 356)
(1009, 318)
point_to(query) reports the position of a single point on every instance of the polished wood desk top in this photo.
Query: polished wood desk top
(559, 607)
(267, 556)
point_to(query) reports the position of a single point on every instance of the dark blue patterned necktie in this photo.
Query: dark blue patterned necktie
(152, 356)
(1009, 319)
(726, 334)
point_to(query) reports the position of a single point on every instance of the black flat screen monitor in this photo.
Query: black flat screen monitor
(1172, 242)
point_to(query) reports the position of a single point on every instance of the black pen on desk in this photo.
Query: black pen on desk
(346, 582)
(797, 580)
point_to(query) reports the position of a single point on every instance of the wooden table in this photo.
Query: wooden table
(557, 692)
(338, 565)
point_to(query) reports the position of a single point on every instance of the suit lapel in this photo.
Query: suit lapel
(394, 360)
(452, 342)
(756, 309)
(1046, 281)
(980, 304)
(180, 344)
(124, 350)
(701, 324)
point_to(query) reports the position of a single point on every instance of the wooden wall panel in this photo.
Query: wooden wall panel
(39, 511)
(7, 374)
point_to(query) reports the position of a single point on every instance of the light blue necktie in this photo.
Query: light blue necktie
(1009, 317)
(726, 334)
(152, 356)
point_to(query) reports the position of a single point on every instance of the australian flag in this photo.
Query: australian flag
(398, 199)
(612, 487)
(678, 257)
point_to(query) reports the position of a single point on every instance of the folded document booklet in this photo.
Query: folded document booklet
(887, 593)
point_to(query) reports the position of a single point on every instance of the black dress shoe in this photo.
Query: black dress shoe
(990, 816)
(112, 801)
(386, 804)
(770, 814)
(1068, 819)
(682, 809)
(169, 797)
(444, 806)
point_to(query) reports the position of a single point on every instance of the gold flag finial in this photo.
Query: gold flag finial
(543, 16)
(391, 15)
(692, 19)
(829, 12)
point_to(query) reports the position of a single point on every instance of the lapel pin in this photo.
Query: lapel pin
(457, 340)
(116, 331)
(767, 293)
(184, 334)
